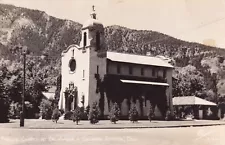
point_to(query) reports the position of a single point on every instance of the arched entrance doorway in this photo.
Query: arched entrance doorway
(71, 98)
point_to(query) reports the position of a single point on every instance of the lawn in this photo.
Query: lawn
(104, 124)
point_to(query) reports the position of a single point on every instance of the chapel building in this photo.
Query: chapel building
(90, 74)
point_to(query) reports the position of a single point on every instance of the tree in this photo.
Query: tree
(46, 108)
(87, 110)
(114, 113)
(76, 117)
(188, 81)
(150, 113)
(4, 104)
(94, 113)
(58, 89)
(133, 114)
(56, 114)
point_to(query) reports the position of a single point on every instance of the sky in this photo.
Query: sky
(200, 21)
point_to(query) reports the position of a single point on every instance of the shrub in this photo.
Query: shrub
(150, 113)
(169, 115)
(46, 109)
(94, 114)
(133, 114)
(29, 110)
(4, 111)
(15, 108)
(114, 113)
(56, 114)
(14, 111)
(76, 117)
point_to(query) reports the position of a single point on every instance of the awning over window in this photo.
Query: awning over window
(144, 82)
(191, 100)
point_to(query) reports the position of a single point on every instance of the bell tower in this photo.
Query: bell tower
(93, 46)
(92, 33)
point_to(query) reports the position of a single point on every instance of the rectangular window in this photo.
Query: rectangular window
(97, 69)
(142, 71)
(153, 71)
(118, 68)
(164, 73)
(130, 70)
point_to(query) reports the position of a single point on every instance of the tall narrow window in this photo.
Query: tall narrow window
(97, 41)
(142, 71)
(164, 73)
(73, 53)
(83, 74)
(130, 70)
(85, 39)
(97, 69)
(118, 68)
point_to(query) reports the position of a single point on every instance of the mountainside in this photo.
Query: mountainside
(198, 68)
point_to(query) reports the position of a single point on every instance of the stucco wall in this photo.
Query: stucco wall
(76, 77)
(94, 62)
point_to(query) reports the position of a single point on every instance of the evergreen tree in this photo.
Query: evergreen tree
(94, 113)
(56, 114)
(114, 113)
(76, 117)
(150, 113)
(133, 113)
(86, 111)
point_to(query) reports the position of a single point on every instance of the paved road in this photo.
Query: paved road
(153, 136)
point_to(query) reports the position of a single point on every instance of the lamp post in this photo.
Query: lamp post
(24, 52)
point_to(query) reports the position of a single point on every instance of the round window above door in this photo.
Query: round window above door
(72, 65)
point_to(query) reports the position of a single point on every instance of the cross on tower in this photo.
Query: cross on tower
(93, 8)
(93, 15)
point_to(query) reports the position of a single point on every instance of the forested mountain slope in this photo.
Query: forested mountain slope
(199, 69)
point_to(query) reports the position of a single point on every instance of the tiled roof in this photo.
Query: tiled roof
(137, 59)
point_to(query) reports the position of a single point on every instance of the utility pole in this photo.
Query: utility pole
(24, 52)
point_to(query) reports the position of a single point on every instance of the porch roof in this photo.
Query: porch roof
(191, 100)
(144, 82)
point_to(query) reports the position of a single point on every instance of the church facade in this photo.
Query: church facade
(90, 74)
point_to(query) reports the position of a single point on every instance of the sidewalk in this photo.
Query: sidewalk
(106, 124)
